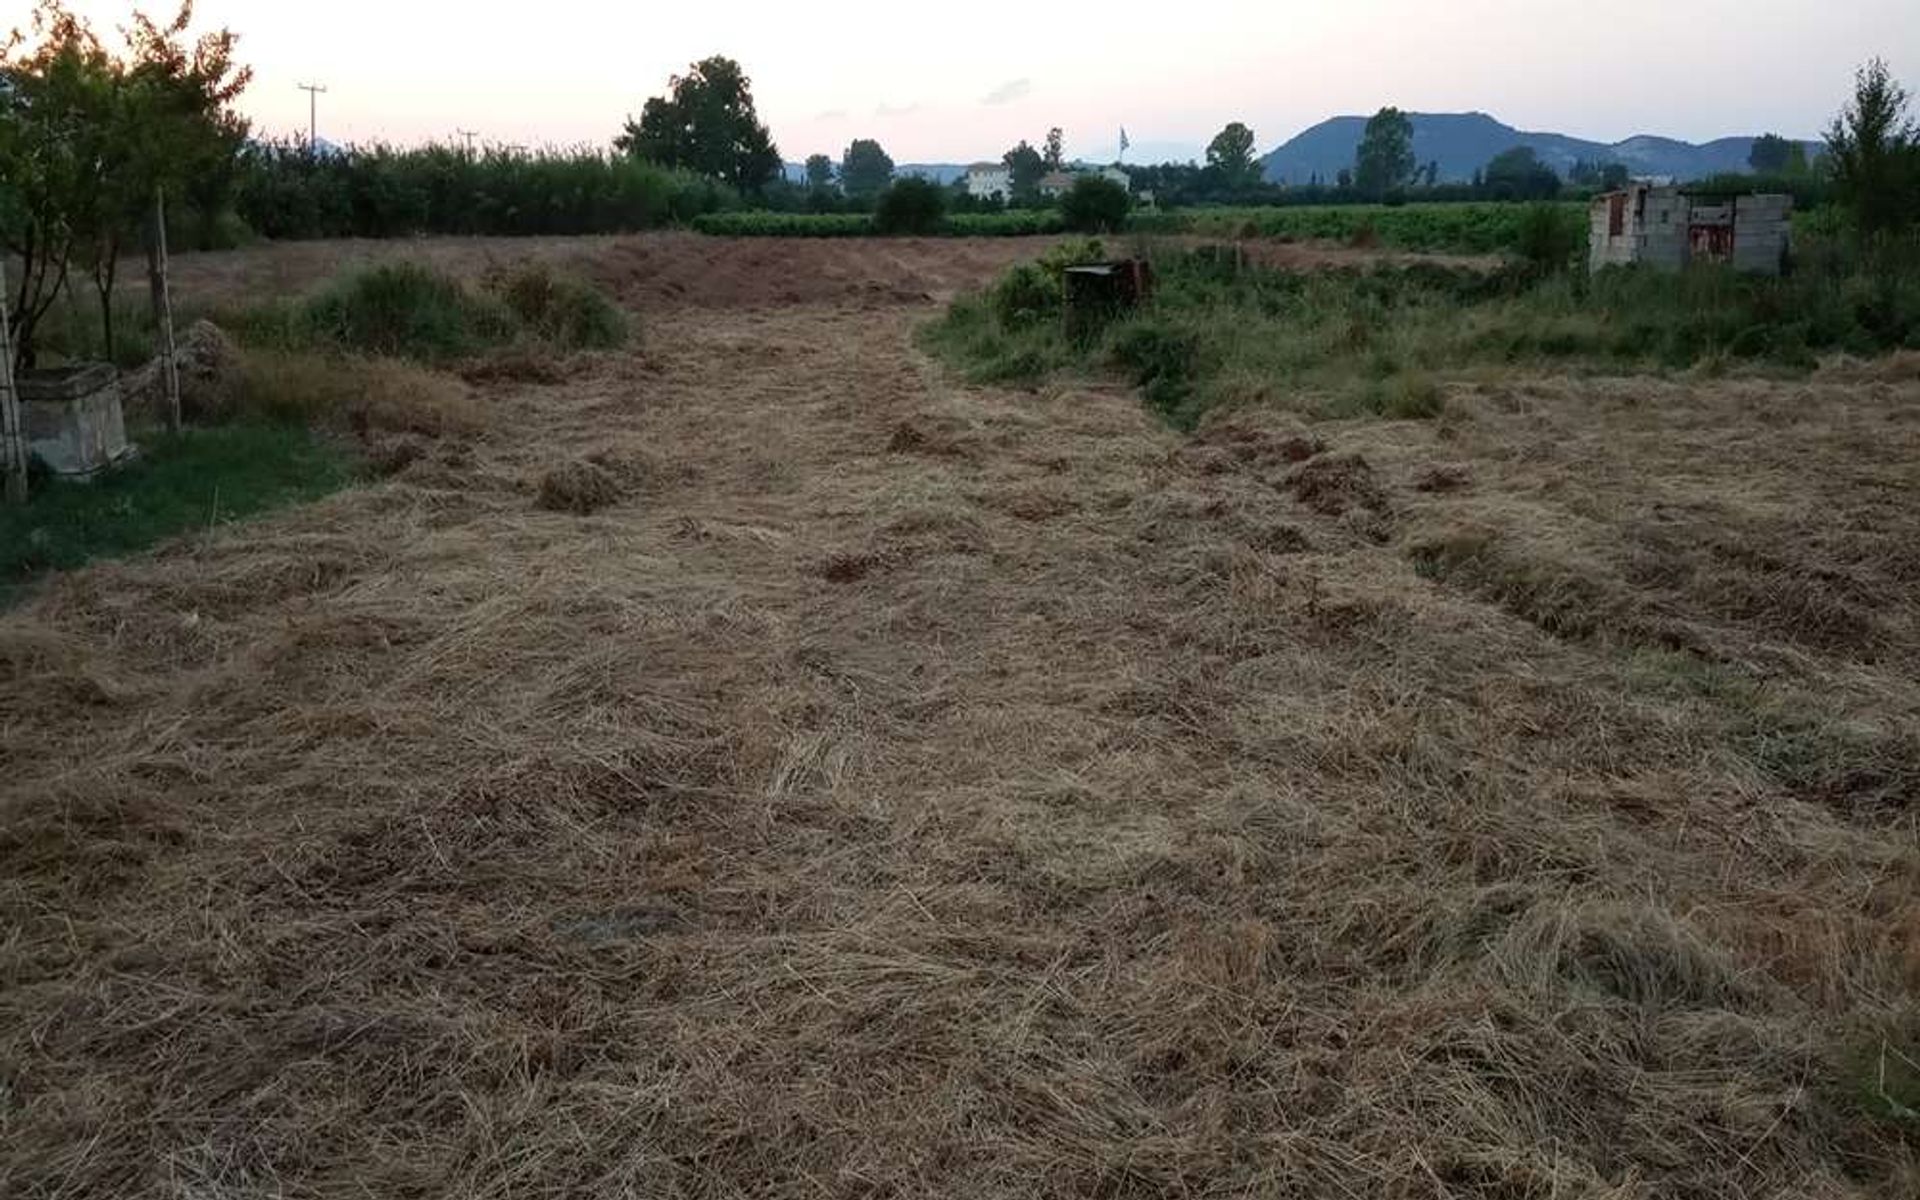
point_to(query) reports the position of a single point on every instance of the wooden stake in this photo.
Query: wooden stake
(13, 433)
(163, 310)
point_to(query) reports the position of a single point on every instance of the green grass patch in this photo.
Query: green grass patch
(1380, 341)
(191, 480)
(406, 310)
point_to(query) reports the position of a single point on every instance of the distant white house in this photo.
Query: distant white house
(985, 180)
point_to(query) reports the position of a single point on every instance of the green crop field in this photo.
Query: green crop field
(1471, 228)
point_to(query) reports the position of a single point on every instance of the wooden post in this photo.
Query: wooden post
(163, 309)
(13, 433)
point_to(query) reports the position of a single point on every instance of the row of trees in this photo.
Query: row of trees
(285, 190)
(93, 141)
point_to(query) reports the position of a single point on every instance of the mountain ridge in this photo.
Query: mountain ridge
(1462, 143)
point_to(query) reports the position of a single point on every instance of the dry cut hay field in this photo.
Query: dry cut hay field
(756, 764)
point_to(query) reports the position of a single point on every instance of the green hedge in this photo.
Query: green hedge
(380, 192)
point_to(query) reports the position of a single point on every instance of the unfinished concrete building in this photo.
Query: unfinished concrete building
(1668, 227)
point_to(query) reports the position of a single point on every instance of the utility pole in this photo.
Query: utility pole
(313, 91)
(468, 134)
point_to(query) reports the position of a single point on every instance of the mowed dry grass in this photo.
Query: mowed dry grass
(890, 787)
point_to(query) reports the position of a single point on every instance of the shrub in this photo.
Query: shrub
(1026, 295)
(1548, 237)
(1095, 204)
(569, 314)
(404, 310)
(1071, 253)
(1163, 361)
(910, 205)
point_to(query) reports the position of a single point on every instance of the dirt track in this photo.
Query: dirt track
(912, 789)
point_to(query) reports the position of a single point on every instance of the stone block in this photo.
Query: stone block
(73, 419)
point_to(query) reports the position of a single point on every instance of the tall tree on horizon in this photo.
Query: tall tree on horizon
(819, 172)
(706, 124)
(1384, 160)
(1055, 153)
(1874, 147)
(1775, 155)
(865, 169)
(1025, 168)
(1230, 154)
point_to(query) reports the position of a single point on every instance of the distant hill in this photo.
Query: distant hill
(1462, 143)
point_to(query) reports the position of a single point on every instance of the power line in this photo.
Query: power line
(313, 91)
(468, 134)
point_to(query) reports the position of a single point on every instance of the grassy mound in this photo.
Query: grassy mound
(407, 310)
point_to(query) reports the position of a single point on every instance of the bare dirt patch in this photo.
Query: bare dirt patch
(943, 791)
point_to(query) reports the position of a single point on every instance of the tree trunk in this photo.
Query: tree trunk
(103, 284)
(13, 434)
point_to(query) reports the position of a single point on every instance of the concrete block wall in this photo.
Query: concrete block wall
(1603, 248)
(1762, 231)
(1657, 230)
(1665, 220)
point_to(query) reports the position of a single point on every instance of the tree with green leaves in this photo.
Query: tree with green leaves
(912, 204)
(819, 172)
(1518, 174)
(1230, 155)
(1055, 154)
(59, 125)
(1384, 160)
(865, 169)
(1776, 156)
(1095, 204)
(1873, 149)
(186, 137)
(1599, 175)
(89, 140)
(1025, 169)
(706, 124)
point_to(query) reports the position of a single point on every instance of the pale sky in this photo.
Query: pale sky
(955, 82)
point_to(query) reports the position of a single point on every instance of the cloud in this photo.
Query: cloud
(896, 110)
(1008, 92)
(832, 114)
